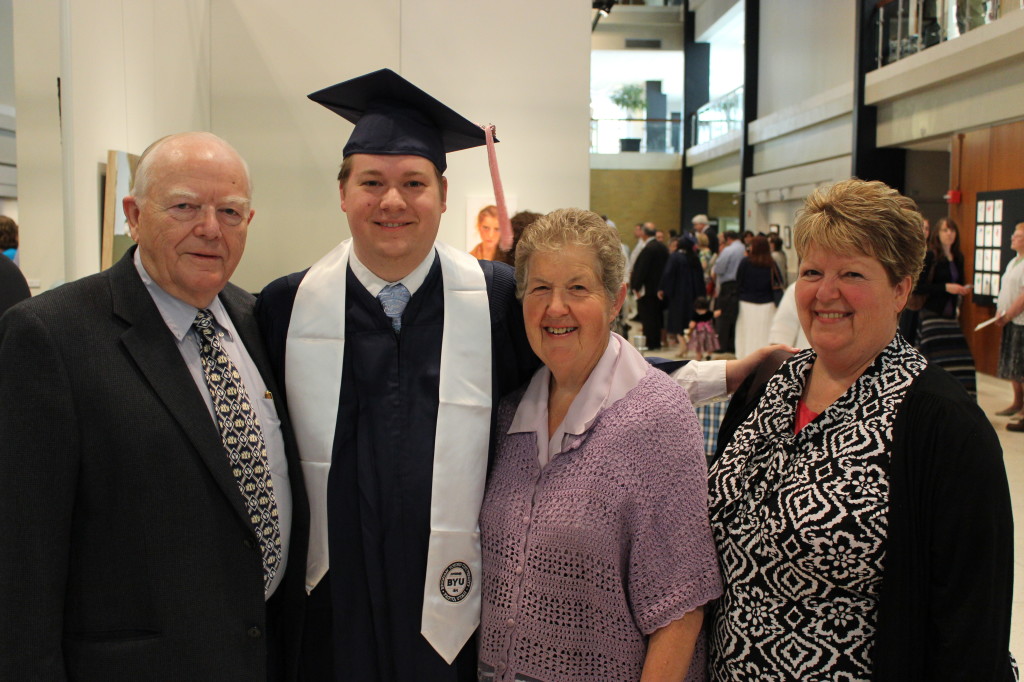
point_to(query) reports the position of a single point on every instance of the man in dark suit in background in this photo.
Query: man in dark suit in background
(700, 224)
(147, 486)
(645, 282)
(13, 287)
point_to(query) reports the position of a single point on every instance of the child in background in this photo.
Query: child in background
(703, 338)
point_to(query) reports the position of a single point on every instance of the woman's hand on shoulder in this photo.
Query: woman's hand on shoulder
(736, 371)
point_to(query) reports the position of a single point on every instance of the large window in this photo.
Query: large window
(652, 80)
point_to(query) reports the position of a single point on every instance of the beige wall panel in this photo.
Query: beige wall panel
(92, 72)
(613, 37)
(824, 141)
(723, 145)
(783, 213)
(708, 12)
(6, 54)
(806, 48)
(790, 184)
(268, 56)
(535, 91)
(987, 97)
(129, 72)
(723, 171)
(166, 62)
(531, 79)
(40, 190)
(822, 107)
(111, 101)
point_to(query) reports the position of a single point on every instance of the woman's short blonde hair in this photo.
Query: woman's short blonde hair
(866, 217)
(573, 227)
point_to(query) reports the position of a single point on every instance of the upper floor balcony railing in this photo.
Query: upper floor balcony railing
(718, 117)
(614, 135)
(905, 27)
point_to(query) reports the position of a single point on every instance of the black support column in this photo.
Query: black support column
(751, 42)
(696, 92)
(869, 161)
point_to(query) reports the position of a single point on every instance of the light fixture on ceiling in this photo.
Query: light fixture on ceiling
(603, 8)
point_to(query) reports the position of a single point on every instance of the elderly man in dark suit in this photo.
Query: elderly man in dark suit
(154, 519)
(700, 224)
(645, 281)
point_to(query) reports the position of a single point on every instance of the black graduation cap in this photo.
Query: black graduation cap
(393, 116)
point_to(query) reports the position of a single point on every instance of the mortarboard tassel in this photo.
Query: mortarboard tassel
(505, 243)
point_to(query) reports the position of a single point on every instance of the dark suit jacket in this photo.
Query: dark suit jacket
(128, 553)
(13, 287)
(648, 268)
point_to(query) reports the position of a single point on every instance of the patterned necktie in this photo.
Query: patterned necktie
(243, 441)
(393, 298)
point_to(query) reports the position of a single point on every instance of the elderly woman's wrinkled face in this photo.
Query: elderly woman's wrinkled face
(848, 306)
(567, 311)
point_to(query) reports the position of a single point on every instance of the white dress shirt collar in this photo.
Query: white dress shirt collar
(374, 284)
(179, 315)
(618, 371)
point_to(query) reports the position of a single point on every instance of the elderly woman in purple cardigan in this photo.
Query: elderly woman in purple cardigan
(597, 554)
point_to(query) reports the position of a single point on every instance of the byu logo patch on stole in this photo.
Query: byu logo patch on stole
(456, 580)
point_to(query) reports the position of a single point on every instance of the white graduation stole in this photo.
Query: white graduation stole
(314, 361)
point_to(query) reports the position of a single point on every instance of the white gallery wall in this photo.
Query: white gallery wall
(133, 71)
(803, 133)
(93, 75)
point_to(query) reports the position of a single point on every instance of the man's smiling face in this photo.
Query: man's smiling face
(394, 206)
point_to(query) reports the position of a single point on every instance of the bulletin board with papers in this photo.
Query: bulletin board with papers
(996, 215)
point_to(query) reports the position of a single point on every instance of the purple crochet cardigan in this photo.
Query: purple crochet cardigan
(584, 559)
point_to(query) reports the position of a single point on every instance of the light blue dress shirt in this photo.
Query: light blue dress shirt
(179, 317)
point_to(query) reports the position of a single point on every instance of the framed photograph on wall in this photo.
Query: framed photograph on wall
(114, 237)
(482, 223)
(787, 236)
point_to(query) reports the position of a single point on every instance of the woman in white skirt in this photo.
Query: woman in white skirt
(754, 282)
(1010, 307)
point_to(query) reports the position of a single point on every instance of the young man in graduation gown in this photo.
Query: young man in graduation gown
(392, 395)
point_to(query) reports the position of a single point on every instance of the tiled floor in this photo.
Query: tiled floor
(994, 394)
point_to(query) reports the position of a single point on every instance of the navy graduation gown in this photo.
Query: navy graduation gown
(364, 618)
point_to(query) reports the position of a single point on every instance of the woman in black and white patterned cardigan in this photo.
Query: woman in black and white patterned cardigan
(859, 505)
